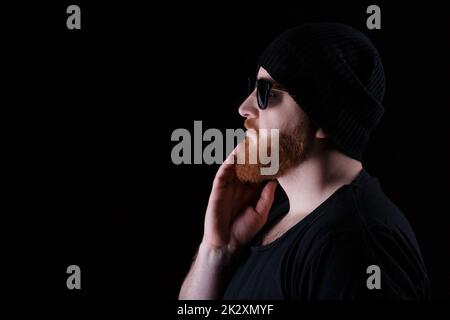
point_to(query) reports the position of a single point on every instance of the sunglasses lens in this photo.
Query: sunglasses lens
(261, 103)
(262, 90)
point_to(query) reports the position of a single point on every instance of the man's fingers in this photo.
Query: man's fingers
(266, 199)
(226, 171)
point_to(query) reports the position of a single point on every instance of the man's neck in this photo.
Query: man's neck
(317, 178)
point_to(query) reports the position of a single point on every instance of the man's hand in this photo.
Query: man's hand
(236, 211)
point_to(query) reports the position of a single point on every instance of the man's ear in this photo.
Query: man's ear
(320, 134)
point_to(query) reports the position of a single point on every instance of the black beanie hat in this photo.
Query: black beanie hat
(335, 74)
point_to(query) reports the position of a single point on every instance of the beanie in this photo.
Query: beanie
(335, 75)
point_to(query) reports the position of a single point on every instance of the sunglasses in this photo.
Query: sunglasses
(263, 90)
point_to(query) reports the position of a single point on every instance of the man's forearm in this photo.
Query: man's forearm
(208, 272)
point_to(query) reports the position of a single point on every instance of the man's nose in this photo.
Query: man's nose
(249, 108)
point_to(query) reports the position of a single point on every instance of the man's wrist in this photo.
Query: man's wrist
(223, 255)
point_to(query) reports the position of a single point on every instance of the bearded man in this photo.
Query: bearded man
(335, 235)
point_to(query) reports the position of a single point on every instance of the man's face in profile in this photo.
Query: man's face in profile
(282, 113)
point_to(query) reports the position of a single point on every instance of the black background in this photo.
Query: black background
(88, 116)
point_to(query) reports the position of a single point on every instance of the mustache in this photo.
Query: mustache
(250, 124)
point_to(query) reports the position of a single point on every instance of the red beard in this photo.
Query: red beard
(292, 149)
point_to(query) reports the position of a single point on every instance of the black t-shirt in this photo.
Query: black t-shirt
(327, 254)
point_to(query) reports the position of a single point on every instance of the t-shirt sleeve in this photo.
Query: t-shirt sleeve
(337, 269)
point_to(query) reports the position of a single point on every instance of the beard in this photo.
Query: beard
(292, 148)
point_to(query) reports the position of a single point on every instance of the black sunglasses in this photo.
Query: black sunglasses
(263, 88)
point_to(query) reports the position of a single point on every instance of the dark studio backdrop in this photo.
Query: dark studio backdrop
(88, 118)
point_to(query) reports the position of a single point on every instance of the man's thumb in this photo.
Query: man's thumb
(266, 199)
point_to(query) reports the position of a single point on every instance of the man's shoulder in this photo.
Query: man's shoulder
(362, 205)
(359, 211)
